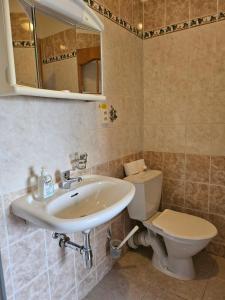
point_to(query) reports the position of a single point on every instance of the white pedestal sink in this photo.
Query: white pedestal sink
(94, 201)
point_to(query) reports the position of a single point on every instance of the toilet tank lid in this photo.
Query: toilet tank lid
(144, 176)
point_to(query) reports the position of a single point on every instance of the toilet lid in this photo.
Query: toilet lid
(184, 226)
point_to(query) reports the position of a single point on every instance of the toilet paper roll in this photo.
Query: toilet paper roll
(135, 167)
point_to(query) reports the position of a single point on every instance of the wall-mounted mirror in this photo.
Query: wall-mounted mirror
(53, 53)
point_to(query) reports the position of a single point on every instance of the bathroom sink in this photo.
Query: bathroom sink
(88, 204)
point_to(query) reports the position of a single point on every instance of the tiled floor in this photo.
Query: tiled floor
(134, 278)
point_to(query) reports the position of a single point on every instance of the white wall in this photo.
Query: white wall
(37, 132)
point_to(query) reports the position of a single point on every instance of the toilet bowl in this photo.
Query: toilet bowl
(175, 237)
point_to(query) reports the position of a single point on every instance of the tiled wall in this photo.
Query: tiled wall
(65, 42)
(42, 131)
(34, 265)
(129, 10)
(184, 109)
(194, 184)
(160, 13)
(20, 33)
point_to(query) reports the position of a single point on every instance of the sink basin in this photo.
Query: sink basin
(94, 201)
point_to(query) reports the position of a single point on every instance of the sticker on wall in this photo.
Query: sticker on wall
(104, 113)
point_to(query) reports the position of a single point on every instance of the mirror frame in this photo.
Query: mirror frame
(64, 10)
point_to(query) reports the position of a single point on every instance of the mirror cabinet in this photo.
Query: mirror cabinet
(55, 49)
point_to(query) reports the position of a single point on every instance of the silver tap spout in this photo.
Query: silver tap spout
(66, 180)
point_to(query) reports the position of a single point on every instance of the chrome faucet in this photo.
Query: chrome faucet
(78, 161)
(66, 180)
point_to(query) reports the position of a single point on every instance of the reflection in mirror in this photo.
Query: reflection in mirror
(23, 43)
(53, 54)
(59, 46)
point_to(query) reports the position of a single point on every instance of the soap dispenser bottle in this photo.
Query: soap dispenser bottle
(46, 184)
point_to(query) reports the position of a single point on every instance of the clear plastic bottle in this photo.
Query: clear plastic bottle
(46, 184)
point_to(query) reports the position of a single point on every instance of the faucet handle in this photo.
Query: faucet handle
(67, 180)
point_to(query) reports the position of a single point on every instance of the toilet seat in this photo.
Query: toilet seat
(182, 225)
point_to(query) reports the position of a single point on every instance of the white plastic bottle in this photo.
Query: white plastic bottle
(46, 185)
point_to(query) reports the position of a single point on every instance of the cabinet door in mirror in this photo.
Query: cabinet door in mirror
(59, 46)
(23, 43)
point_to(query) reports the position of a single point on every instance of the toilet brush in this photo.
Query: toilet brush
(128, 236)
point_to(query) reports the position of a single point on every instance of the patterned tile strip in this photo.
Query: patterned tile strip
(59, 57)
(23, 44)
(184, 25)
(108, 14)
(121, 22)
(158, 32)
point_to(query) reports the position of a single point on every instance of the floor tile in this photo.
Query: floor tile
(134, 278)
(215, 290)
(156, 293)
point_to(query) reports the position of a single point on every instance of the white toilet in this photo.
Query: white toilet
(175, 237)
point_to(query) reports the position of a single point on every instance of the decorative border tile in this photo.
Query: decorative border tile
(203, 21)
(23, 44)
(221, 16)
(108, 14)
(157, 32)
(121, 22)
(184, 25)
(59, 57)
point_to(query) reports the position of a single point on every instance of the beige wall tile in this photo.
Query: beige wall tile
(156, 160)
(197, 213)
(219, 71)
(174, 165)
(153, 108)
(126, 10)
(7, 270)
(118, 227)
(102, 245)
(129, 158)
(28, 259)
(200, 8)
(174, 107)
(221, 5)
(153, 138)
(196, 196)
(18, 31)
(37, 289)
(216, 249)
(116, 168)
(177, 11)
(217, 175)
(197, 168)
(198, 139)
(154, 14)
(173, 138)
(112, 5)
(217, 199)
(102, 169)
(219, 222)
(173, 192)
(218, 138)
(137, 13)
